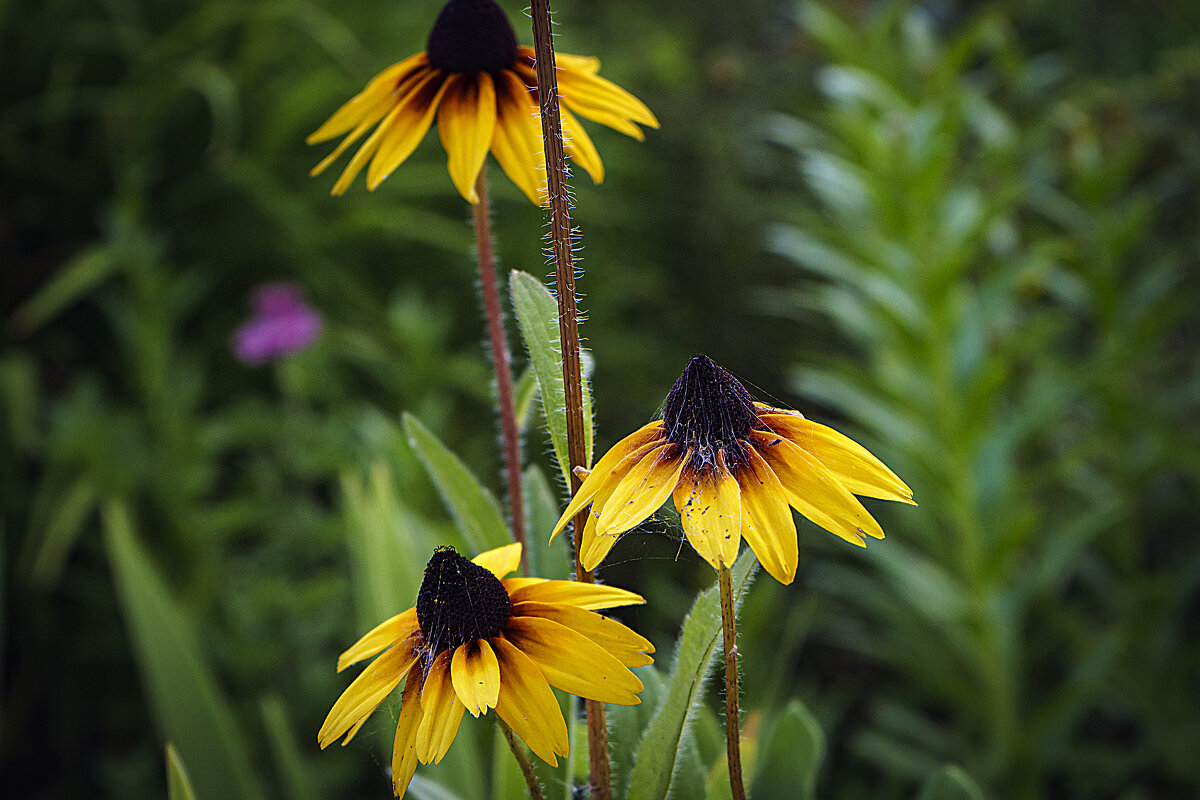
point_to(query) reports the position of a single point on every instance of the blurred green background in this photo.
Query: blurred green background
(966, 234)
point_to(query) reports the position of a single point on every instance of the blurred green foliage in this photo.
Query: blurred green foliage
(967, 232)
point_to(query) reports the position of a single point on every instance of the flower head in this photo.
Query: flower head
(477, 640)
(483, 89)
(733, 468)
(282, 324)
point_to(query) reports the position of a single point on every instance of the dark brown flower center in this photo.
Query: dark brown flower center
(472, 36)
(459, 601)
(708, 411)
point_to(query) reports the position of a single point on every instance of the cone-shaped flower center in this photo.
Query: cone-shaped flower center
(459, 601)
(707, 411)
(472, 36)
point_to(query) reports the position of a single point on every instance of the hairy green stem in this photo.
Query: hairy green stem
(733, 744)
(518, 751)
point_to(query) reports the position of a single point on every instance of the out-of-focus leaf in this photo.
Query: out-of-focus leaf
(537, 317)
(626, 724)
(544, 559)
(80, 275)
(179, 785)
(699, 639)
(473, 507)
(293, 770)
(187, 704)
(55, 542)
(951, 783)
(507, 781)
(524, 393)
(790, 755)
(423, 788)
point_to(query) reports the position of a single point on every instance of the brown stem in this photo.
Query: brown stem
(733, 746)
(518, 751)
(568, 330)
(501, 359)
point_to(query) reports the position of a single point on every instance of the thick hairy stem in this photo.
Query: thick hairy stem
(518, 751)
(501, 358)
(733, 745)
(568, 328)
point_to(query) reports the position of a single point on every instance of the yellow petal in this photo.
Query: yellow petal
(639, 494)
(622, 643)
(609, 470)
(475, 673)
(371, 118)
(405, 130)
(814, 491)
(383, 635)
(855, 466)
(441, 712)
(710, 510)
(404, 751)
(594, 548)
(500, 561)
(588, 64)
(366, 152)
(579, 146)
(587, 93)
(465, 124)
(528, 705)
(767, 522)
(592, 596)
(367, 691)
(573, 662)
(356, 108)
(517, 137)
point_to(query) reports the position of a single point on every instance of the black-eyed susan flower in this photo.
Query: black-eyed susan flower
(733, 468)
(477, 640)
(482, 88)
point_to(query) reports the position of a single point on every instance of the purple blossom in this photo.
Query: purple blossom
(281, 324)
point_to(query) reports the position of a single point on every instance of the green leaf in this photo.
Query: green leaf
(790, 755)
(423, 788)
(951, 783)
(537, 317)
(626, 724)
(80, 275)
(544, 560)
(507, 781)
(473, 507)
(56, 541)
(187, 705)
(524, 393)
(296, 776)
(699, 639)
(179, 785)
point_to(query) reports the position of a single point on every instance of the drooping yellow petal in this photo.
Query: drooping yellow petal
(609, 470)
(710, 510)
(367, 691)
(404, 751)
(527, 703)
(767, 522)
(465, 124)
(639, 494)
(475, 673)
(622, 643)
(591, 596)
(405, 131)
(579, 146)
(364, 154)
(441, 712)
(383, 635)
(855, 466)
(566, 61)
(587, 92)
(593, 548)
(517, 137)
(573, 662)
(814, 491)
(370, 119)
(356, 108)
(500, 561)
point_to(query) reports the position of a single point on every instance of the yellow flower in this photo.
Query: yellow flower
(733, 468)
(477, 640)
(486, 89)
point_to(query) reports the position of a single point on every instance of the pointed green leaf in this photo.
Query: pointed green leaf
(187, 705)
(179, 785)
(537, 317)
(80, 275)
(544, 559)
(699, 640)
(294, 771)
(790, 755)
(473, 507)
(524, 394)
(951, 783)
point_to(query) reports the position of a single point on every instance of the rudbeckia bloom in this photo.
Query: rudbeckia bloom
(477, 640)
(483, 89)
(733, 468)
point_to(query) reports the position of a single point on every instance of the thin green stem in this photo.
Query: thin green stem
(518, 751)
(501, 358)
(733, 744)
(568, 328)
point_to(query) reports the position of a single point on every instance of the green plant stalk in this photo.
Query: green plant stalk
(501, 358)
(568, 328)
(733, 744)
(518, 751)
